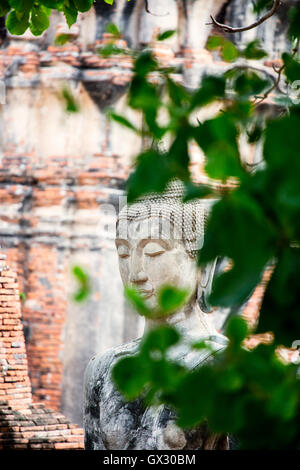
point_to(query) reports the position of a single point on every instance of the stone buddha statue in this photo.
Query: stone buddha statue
(158, 238)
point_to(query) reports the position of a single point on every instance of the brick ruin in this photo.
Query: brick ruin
(59, 171)
(23, 423)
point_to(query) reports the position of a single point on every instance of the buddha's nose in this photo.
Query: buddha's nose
(137, 274)
(138, 277)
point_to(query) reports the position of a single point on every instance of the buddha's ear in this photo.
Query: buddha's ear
(206, 277)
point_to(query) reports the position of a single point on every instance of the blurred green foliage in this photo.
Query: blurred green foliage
(71, 104)
(22, 296)
(34, 14)
(251, 394)
(84, 284)
(62, 39)
(169, 300)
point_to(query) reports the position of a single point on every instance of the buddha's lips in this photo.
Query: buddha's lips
(145, 293)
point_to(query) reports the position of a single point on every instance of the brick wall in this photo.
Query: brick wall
(24, 424)
(15, 387)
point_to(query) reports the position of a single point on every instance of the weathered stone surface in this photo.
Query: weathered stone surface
(154, 247)
(111, 423)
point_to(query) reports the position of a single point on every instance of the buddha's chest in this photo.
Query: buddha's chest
(132, 426)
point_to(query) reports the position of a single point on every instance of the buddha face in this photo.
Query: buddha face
(149, 258)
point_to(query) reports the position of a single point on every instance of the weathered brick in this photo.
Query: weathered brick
(33, 426)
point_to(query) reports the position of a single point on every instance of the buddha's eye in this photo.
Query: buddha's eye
(153, 249)
(123, 251)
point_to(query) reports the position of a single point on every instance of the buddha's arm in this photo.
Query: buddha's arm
(92, 394)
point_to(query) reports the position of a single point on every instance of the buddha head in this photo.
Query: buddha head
(158, 239)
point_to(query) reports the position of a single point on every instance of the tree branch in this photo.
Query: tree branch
(230, 29)
(277, 82)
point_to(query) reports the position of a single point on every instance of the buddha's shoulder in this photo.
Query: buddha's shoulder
(100, 364)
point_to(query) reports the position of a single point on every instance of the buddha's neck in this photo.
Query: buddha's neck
(190, 321)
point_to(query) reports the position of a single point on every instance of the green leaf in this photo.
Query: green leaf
(260, 5)
(241, 112)
(170, 299)
(4, 7)
(292, 67)
(150, 113)
(218, 139)
(229, 51)
(70, 12)
(110, 2)
(17, 25)
(80, 295)
(212, 88)
(71, 104)
(110, 49)
(193, 191)
(62, 39)
(214, 42)
(123, 121)
(113, 29)
(237, 330)
(288, 194)
(23, 296)
(80, 274)
(166, 34)
(145, 63)
(84, 284)
(283, 402)
(234, 287)
(178, 155)
(248, 84)
(39, 20)
(277, 132)
(54, 4)
(143, 94)
(152, 174)
(178, 94)
(231, 379)
(200, 345)
(233, 416)
(222, 162)
(130, 376)
(294, 28)
(280, 311)
(164, 374)
(238, 217)
(83, 5)
(137, 301)
(160, 339)
(254, 51)
(23, 6)
(195, 397)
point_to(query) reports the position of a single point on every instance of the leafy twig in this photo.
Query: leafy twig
(277, 82)
(273, 87)
(230, 29)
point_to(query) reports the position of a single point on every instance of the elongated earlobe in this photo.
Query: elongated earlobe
(205, 285)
